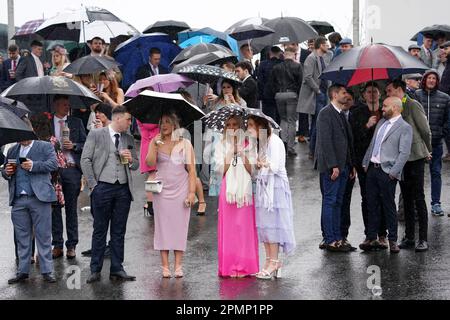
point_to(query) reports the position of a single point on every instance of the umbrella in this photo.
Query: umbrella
(38, 93)
(207, 35)
(83, 24)
(28, 29)
(287, 30)
(170, 27)
(17, 107)
(207, 74)
(435, 31)
(13, 128)
(200, 48)
(160, 83)
(149, 106)
(257, 113)
(209, 58)
(133, 53)
(257, 21)
(216, 119)
(322, 27)
(370, 63)
(90, 65)
(251, 31)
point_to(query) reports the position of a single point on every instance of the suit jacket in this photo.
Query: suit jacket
(96, 152)
(44, 162)
(334, 146)
(414, 114)
(146, 71)
(311, 83)
(428, 60)
(6, 80)
(26, 68)
(249, 92)
(77, 136)
(395, 148)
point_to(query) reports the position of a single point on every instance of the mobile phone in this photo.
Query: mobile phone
(22, 160)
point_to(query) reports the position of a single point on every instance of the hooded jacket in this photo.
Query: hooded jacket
(436, 105)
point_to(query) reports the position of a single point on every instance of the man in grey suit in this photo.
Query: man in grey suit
(384, 162)
(31, 194)
(107, 160)
(31, 66)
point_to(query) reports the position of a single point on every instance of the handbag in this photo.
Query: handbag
(153, 186)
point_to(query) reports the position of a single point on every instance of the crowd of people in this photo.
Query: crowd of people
(381, 133)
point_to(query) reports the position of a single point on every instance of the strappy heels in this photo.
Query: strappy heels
(275, 273)
(166, 274)
(202, 212)
(266, 265)
(179, 273)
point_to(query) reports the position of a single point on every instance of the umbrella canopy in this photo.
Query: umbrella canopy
(257, 21)
(207, 74)
(322, 27)
(209, 58)
(435, 31)
(207, 35)
(149, 106)
(370, 63)
(83, 24)
(13, 129)
(287, 30)
(28, 29)
(17, 107)
(160, 83)
(91, 64)
(258, 113)
(38, 93)
(200, 48)
(170, 27)
(251, 31)
(134, 53)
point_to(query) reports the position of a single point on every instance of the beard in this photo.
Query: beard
(388, 114)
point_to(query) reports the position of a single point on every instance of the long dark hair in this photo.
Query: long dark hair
(262, 123)
(236, 95)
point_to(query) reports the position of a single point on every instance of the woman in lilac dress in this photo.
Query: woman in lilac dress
(274, 212)
(174, 158)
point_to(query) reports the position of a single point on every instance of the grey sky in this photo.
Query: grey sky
(198, 13)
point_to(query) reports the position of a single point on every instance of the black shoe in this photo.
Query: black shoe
(94, 277)
(87, 253)
(345, 243)
(322, 245)
(407, 244)
(292, 153)
(121, 275)
(422, 246)
(49, 278)
(20, 277)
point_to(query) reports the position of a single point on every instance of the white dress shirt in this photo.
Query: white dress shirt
(112, 134)
(39, 65)
(390, 123)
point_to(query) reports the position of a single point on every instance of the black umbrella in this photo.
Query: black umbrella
(13, 128)
(287, 30)
(257, 21)
(251, 31)
(207, 74)
(149, 106)
(17, 107)
(38, 93)
(322, 27)
(435, 31)
(209, 58)
(91, 64)
(170, 27)
(200, 48)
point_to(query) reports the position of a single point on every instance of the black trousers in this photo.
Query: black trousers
(381, 194)
(345, 211)
(303, 125)
(414, 198)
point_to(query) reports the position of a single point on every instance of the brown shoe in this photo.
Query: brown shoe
(384, 243)
(57, 253)
(394, 247)
(71, 254)
(301, 139)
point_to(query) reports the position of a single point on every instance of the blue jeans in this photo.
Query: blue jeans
(332, 198)
(435, 171)
(321, 102)
(111, 206)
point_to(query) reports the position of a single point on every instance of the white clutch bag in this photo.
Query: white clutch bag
(153, 186)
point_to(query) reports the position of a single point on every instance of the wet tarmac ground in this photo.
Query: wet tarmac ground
(309, 274)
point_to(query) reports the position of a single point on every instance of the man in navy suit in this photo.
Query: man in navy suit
(31, 66)
(31, 194)
(153, 67)
(9, 67)
(70, 176)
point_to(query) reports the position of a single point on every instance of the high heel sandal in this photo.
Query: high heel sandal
(276, 273)
(166, 273)
(201, 213)
(179, 273)
(264, 270)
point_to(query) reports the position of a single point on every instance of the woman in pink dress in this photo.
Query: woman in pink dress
(148, 132)
(237, 234)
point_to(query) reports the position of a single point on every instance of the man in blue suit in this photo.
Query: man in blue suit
(31, 194)
(153, 67)
(9, 67)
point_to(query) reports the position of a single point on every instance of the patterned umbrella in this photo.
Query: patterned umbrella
(28, 29)
(257, 113)
(207, 74)
(209, 58)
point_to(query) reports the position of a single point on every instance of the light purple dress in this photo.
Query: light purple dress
(171, 215)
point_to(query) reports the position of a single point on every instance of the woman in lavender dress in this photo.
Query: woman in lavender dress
(274, 212)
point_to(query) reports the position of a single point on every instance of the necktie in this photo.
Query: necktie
(61, 128)
(14, 65)
(379, 140)
(116, 143)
